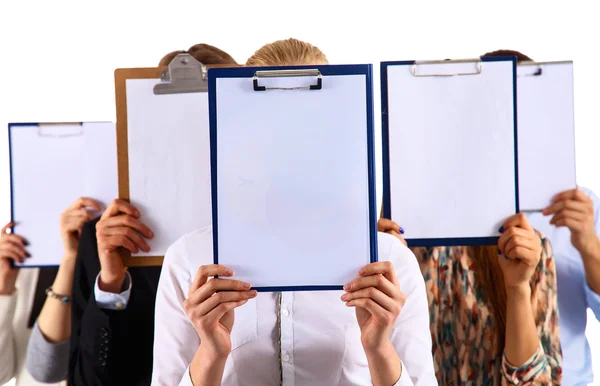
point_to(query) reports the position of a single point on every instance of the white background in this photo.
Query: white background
(57, 57)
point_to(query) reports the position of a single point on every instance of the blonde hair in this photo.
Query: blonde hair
(289, 52)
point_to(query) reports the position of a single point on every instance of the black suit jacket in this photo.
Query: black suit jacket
(108, 347)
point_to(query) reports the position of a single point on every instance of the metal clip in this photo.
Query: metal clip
(287, 73)
(183, 75)
(478, 70)
(49, 130)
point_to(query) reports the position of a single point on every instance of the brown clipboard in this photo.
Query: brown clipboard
(121, 77)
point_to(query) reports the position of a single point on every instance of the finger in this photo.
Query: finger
(517, 242)
(214, 285)
(118, 206)
(569, 214)
(12, 255)
(573, 194)
(569, 223)
(577, 206)
(13, 249)
(124, 220)
(130, 234)
(377, 281)
(516, 220)
(384, 225)
(119, 241)
(6, 228)
(374, 294)
(522, 253)
(369, 305)
(15, 239)
(384, 268)
(206, 271)
(513, 232)
(216, 314)
(398, 236)
(85, 202)
(223, 297)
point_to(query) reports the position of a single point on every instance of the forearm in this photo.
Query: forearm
(205, 370)
(384, 366)
(591, 264)
(7, 342)
(55, 318)
(522, 339)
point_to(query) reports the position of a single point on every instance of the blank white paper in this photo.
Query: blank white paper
(169, 161)
(546, 133)
(52, 166)
(452, 151)
(292, 181)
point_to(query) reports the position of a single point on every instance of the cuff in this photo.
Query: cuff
(593, 300)
(8, 305)
(110, 301)
(186, 380)
(528, 371)
(404, 377)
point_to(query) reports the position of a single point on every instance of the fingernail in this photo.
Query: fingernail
(344, 297)
(361, 271)
(247, 285)
(229, 272)
(401, 230)
(347, 287)
(505, 257)
(253, 293)
(499, 252)
(501, 229)
(151, 234)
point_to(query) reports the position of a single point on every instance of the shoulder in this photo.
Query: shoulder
(191, 250)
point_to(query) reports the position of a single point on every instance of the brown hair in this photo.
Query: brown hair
(288, 52)
(204, 53)
(520, 56)
(489, 276)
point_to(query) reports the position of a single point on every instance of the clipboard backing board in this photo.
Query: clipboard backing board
(133, 76)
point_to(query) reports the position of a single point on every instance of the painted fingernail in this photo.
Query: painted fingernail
(505, 257)
(401, 230)
(499, 251)
(501, 229)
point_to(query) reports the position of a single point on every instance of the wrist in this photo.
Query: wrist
(518, 292)
(592, 251)
(111, 282)
(380, 352)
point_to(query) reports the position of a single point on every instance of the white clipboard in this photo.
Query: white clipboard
(546, 132)
(449, 147)
(51, 166)
(293, 175)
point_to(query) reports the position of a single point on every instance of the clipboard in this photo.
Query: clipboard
(52, 165)
(546, 132)
(449, 146)
(162, 147)
(293, 176)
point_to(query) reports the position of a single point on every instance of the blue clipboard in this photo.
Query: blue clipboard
(214, 74)
(387, 204)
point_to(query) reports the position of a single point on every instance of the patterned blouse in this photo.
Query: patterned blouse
(463, 328)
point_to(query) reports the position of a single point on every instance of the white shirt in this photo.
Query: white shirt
(320, 336)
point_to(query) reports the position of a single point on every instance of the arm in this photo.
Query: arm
(389, 336)
(532, 354)
(47, 362)
(54, 321)
(8, 304)
(580, 213)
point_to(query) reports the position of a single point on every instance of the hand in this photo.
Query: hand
(211, 313)
(12, 247)
(575, 210)
(519, 251)
(119, 227)
(71, 222)
(378, 300)
(388, 226)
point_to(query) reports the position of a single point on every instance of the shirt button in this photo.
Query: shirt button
(119, 305)
(285, 313)
(286, 358)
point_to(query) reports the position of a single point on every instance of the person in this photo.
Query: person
(212, 331)
(113, 306)
(493, 310)
(28, 292)
(572, 223)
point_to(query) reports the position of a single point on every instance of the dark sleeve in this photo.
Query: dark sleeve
(95, 332)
